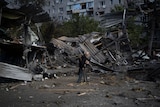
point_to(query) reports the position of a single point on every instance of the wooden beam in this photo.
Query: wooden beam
(68, 90)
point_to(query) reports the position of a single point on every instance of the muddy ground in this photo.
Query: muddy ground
(102, 90)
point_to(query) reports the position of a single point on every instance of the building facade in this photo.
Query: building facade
(62, 10)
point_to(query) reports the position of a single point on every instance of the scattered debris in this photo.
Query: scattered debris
(70, 84)
(38, 77)
(13, 87)
(81, 94)
(69, 90)
(146, 99)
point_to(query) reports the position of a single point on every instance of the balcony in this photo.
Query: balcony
(79, 11)
(90, 9)
(79, 2)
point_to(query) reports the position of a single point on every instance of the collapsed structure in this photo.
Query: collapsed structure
(109, 52)
(19, 57)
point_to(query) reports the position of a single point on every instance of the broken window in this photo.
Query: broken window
(111, 1)
(90, 13)
(57, 1)
(69, 12)
(90, 4)
(72, 0)
(53, 10)
(69, 8)
(101, 12)
(49, 3)
(76, 7)
(60, 18)
(48, 10)
(83, 5)
(102, 4)
(61, 1)
(61, 10)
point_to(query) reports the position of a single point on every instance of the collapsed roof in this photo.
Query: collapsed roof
(14, 17)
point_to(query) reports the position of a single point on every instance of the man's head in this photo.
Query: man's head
(87, 54)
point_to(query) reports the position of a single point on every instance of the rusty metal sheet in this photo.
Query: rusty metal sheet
(14, 72)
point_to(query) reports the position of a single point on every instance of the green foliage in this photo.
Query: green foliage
(117, 8)
(134, 33)
(47, 30)
(14, 32)
(134, 30)
(79, 25)
(50, 30)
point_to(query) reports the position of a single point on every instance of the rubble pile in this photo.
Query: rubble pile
(95, 43)
(110, 51)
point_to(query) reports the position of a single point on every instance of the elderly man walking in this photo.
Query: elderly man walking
(83, 62)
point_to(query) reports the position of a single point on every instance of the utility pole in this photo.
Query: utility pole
(153, 21)
(0, 15)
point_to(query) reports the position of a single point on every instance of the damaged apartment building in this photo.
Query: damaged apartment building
(62, 10)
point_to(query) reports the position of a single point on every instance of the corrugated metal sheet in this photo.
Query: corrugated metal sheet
(95, 53)
(14, 72)
(62, 45)
(111, 19)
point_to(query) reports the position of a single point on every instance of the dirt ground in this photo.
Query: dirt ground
(102, 90)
